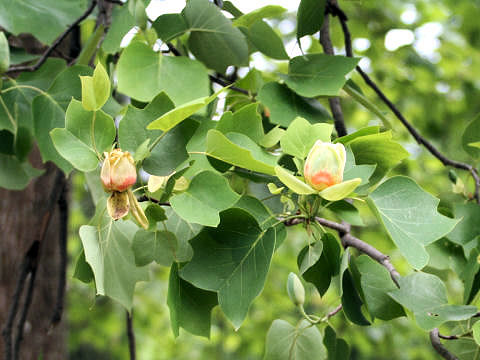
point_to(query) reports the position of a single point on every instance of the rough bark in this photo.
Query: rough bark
(21, 214)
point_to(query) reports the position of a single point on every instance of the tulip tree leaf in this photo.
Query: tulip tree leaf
(376, 283)
(265, 39)
(143, 73)
(95, 89)
(15, 175)
(469, 227)
(173, 117)
(285, 105)
(122, 22)
(170, 26)
(464, 348)
(36, 17)
(426, 296)
(337, 349)
(472, 135)
(190, 307)
(233, 260)
(301, 136)
(239, 150)
(108, 252)
(264, 12)
(213, 39)
(183, 230)
(293, 183)
(377, 149)
(314, 75)
(245, 121)
(310, 17)
(197, 205)
(286, 342)
(410, 217)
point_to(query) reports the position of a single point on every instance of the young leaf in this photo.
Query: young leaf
(340, 191)
(301, 135)
(4, 53)
(292, 182)
(410, 217)
(233, 260)
(245, 121)
(95, 89)
(252, 17)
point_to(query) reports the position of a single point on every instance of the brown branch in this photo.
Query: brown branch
(146, 198)
(415, 134)
(348, 240)
(213, 78)
(130, 335)
(334, 311)
(438, 346)
(57, 42)
(334, 102)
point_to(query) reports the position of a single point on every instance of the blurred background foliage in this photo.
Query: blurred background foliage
(425, 56)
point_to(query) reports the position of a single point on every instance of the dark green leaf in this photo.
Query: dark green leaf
(122, 22)
(310, 17)
(170, 26)
(266, 40)
(15, 175)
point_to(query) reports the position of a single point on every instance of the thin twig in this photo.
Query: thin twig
(130, 335)
(334, 102)
(57, 42)
(213, 78)
(334, 312)
(415, 134)
(146, 198)
(63, 236)
(118, 2)
(448, 337)
(438, 346)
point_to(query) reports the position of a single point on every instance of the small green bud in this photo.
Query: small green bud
(295, 289)
(140, 15)
(452, 175)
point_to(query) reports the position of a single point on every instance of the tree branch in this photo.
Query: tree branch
(438, 346)
(57, 42)
(334, 102)
(130, 335)
(415, 134)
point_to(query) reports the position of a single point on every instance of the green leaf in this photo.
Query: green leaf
(233, 260)
(272, 137)
(83, 271)
(34, 17)
(476, 332)
(239, 150)
(352, 301)
(245, 121)
(183, 230)
(170, 26)
(472, 135)
(213, 40)
(410, 217)
(301, 135)
(175, 116)
(293, 183)
(463, 348)
(95, 89)
(320, 274)
(264, 12)
(159, 246)
(266, 40)
(377, 149)
(426, 296)
(81, 123)
(207, 195)
(190, 307)
(80, 155)
(376, 283)
(309, 256)
(468, 227)
(340, 191)
(287, 342)
(108, 252)
(337, 349)
(143, 73)
(469, 276)
(310, 16)
(347, 212)
(314, 75)
(15, 175)
(4, 53)
(122, 22)
(285, 105)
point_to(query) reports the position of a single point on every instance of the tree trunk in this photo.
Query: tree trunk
(22, 215)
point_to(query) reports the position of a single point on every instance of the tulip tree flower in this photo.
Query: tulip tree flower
(323, 172)
(118, 175)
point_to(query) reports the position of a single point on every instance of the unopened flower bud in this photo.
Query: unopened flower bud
(295, 289)
(118, 171)
(325, 165)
